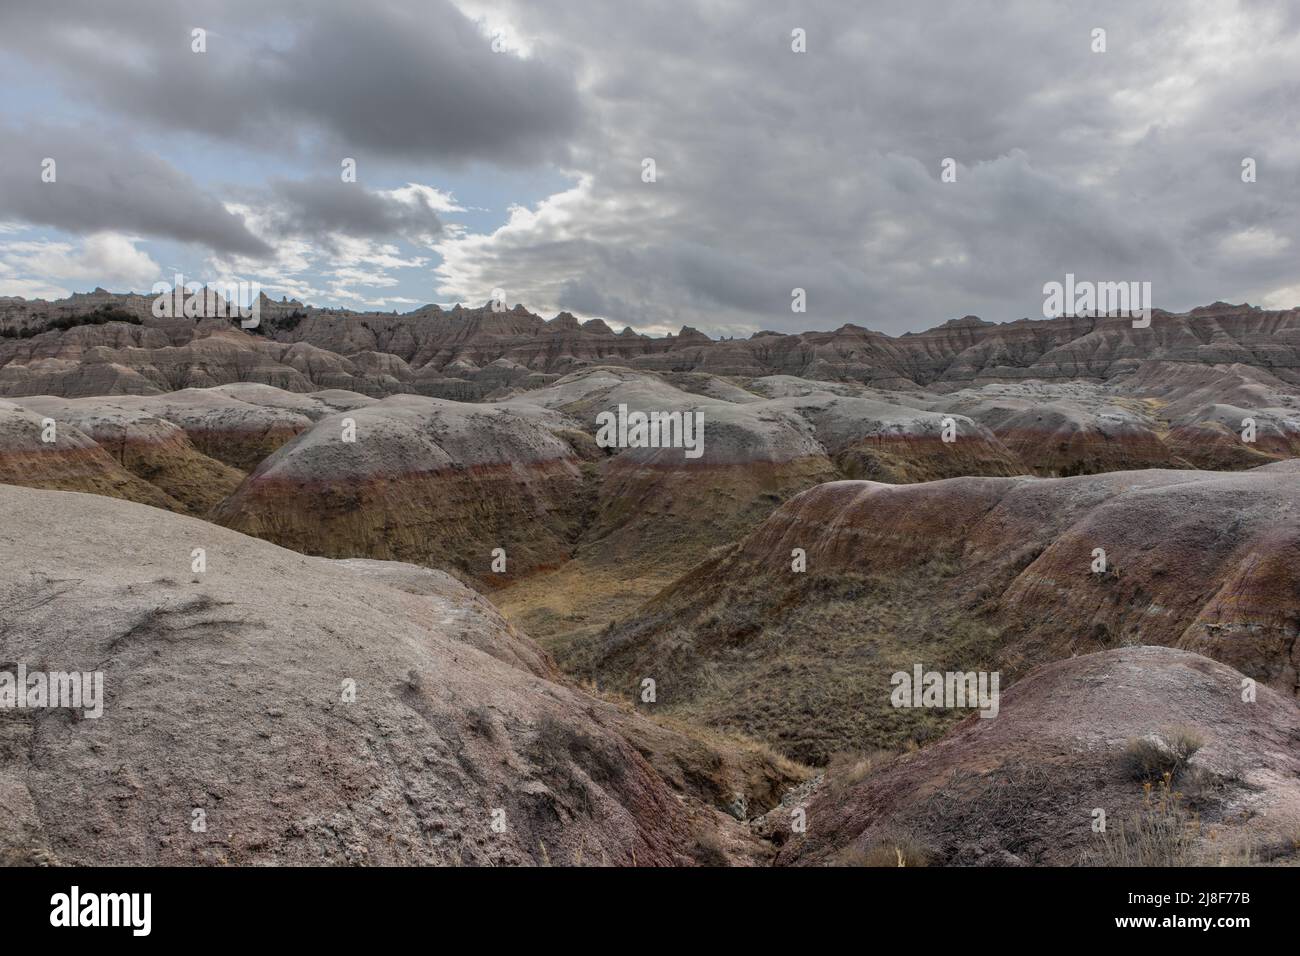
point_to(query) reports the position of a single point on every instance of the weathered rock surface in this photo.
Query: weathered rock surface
(475, 430)
(965, 574)
(424, 480)
(151, 448)
(73, 461)
(1024, 788)
(238, 433)
(659, 506)
(225, 693)
(467, 354)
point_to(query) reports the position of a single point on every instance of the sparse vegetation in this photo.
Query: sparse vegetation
(894, 848)
(561, 752)
(480, 721)
(289, 322)
(1156, 755)
(708, 849)
(1204, 789)
(99, 316)
(1163, 833)
(281, 323)
(846, 770)
(806, 668)
(1007, 807)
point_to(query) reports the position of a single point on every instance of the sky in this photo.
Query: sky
(795, 146)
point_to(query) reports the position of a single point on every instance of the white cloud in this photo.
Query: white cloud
(31, 288)
(331, 266)
(1284, 298)
(1254, 242)
(417, 194)
(107, 259)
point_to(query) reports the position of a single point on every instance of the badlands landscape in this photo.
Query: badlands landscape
(369, 588)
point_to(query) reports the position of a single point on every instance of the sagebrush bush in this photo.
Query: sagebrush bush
(896, 848)
(1155, 755)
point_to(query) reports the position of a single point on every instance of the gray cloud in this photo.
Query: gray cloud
(776, 170)
(318, 208)
(103, 183)
(821, 170)
(380, 78)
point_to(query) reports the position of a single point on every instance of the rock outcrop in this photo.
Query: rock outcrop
(468, 354)
(440, 483)
(966, 574)
(1029, 787)
(69, 460)
(303, 710)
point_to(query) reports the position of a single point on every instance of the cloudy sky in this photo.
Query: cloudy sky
(502, 145)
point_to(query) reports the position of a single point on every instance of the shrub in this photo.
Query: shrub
(1157, 755)
(894, 848)
(708, 850)
(101, 315)
(1205, 789)
(480, 722)
(1162, 834)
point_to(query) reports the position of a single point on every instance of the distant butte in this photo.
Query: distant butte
(100, 342)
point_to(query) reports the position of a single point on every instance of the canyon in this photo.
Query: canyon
(422, 504)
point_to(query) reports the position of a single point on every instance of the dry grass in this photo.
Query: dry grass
(1176, 822)
(846, 770)
(807, 667)
(894, 848)
(708, 850)
(565, 610)
(1156, 755)
(567, 759)
(803, 664)
(1206, 790)
(1163, 833)
(1011, 808)
(712, 766)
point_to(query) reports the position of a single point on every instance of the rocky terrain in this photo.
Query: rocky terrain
(428, 480)
(36, 451)
(229, 692)
(469, 353)
(1027, 788)
(194, 446)
(859, 504)
(968, 574)
(446, 483)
